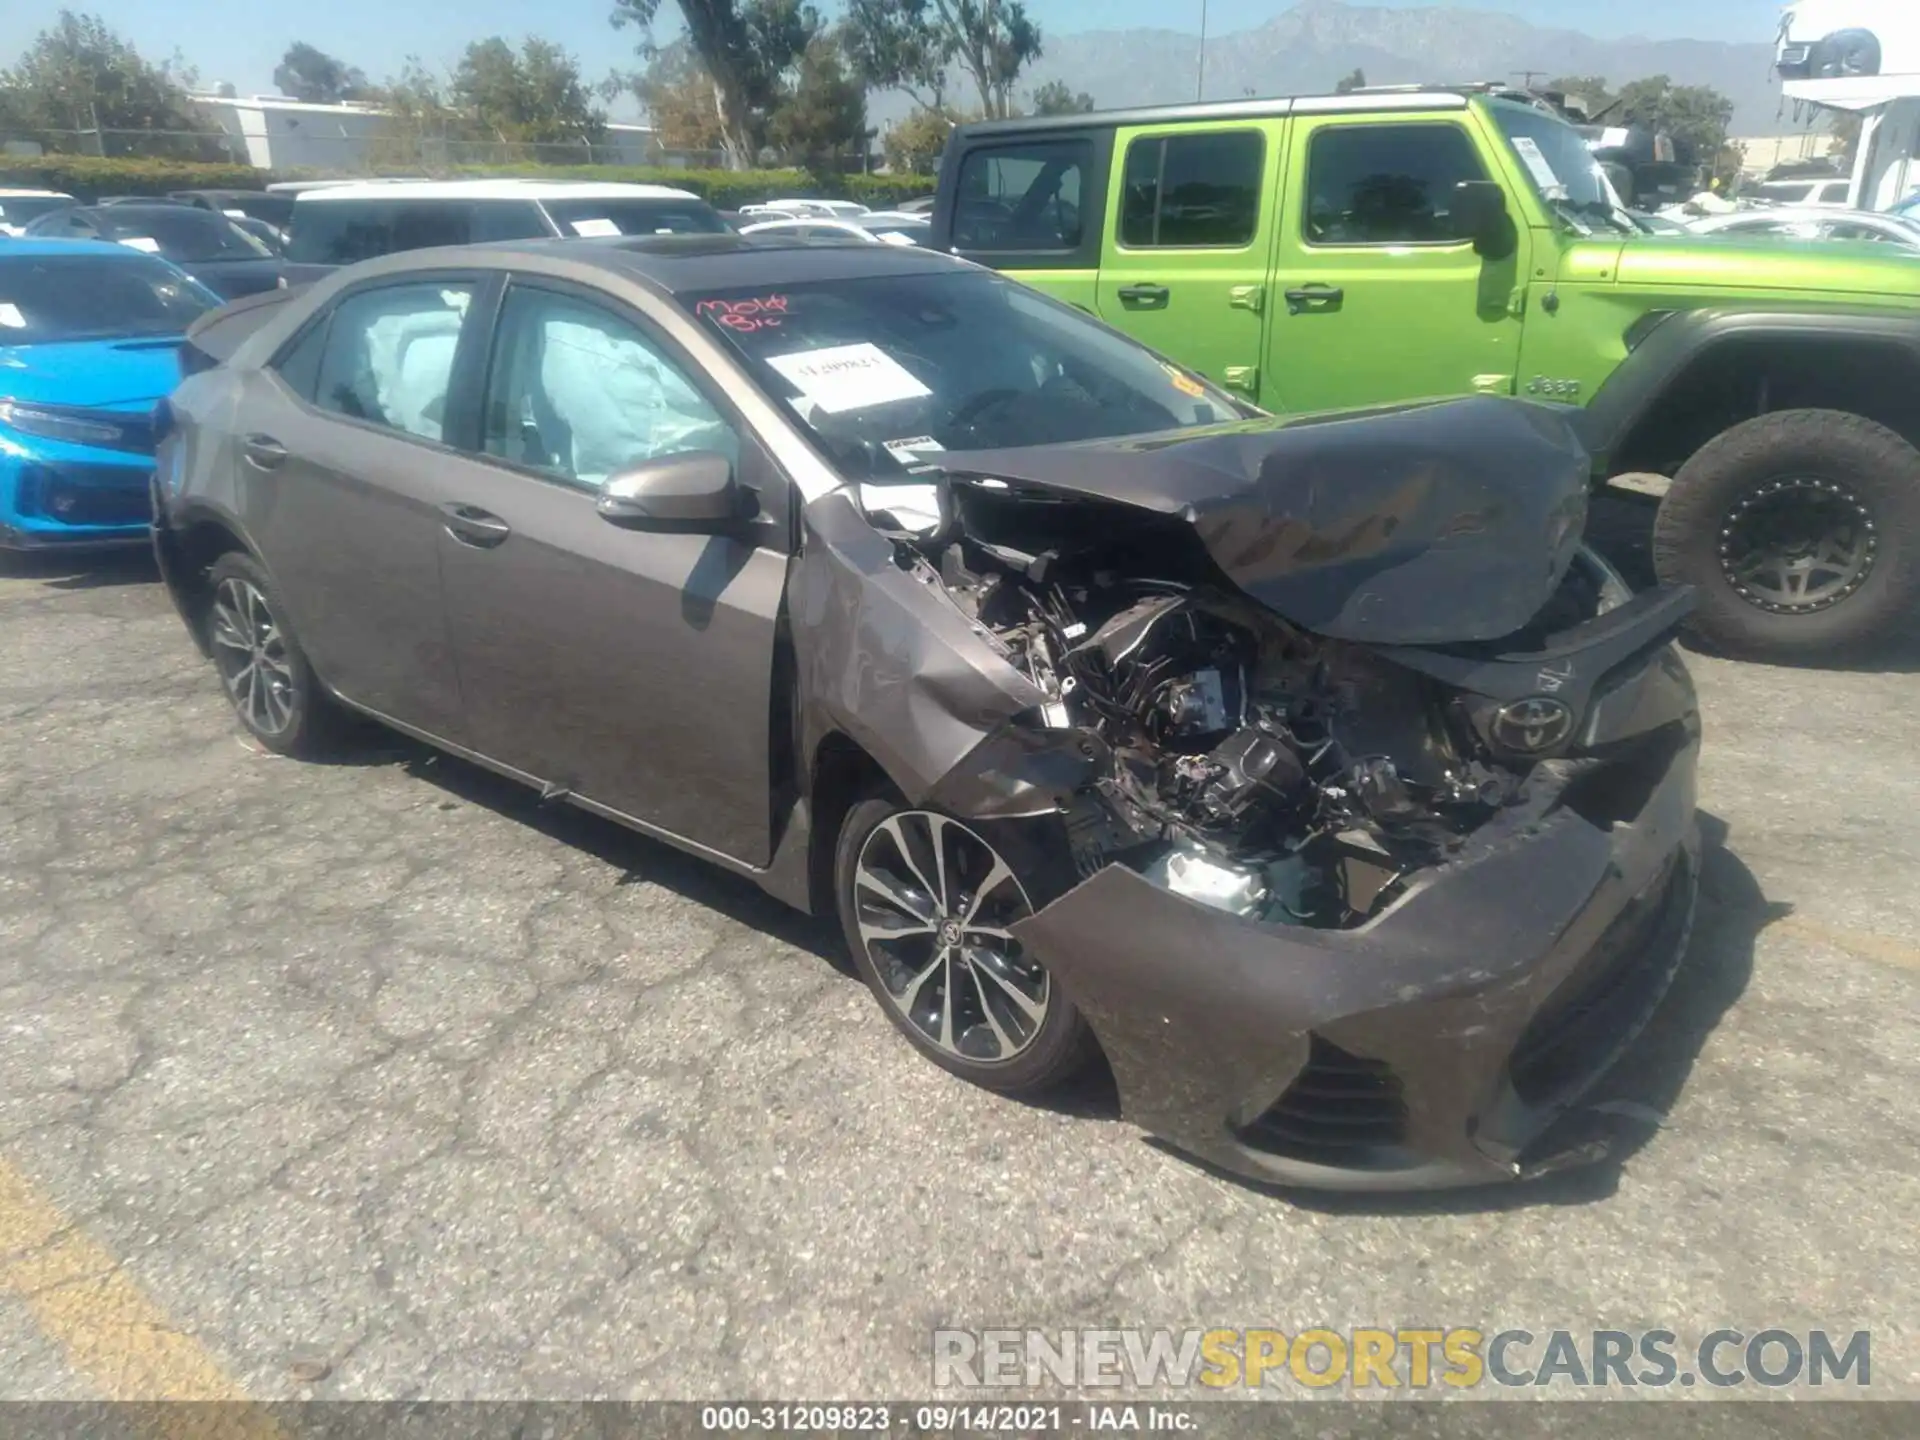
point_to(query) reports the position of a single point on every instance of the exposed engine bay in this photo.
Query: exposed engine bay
(1242, 761)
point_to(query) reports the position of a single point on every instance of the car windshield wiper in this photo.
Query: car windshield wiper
(1587, 215)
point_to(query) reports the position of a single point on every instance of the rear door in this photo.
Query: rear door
(1377, 300)
(1030, 204)
(631, 669)
(344, 468)
(1188, 234)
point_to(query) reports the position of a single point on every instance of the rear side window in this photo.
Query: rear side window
(1386, 184)
(1196, 189)
(299, 364)
(389, 356)
(342, 232)
(1022, 197)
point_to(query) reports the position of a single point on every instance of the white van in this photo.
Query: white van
(336, 225)
(17, 207)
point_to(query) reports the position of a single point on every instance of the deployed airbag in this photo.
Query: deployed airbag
(622, 404)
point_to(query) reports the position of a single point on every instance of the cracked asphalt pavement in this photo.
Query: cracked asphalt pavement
(382, 1073)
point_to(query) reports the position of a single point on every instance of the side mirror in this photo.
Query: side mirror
(1480, 215)
(695, 491)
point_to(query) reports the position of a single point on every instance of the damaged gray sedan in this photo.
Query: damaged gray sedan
(1313, 773)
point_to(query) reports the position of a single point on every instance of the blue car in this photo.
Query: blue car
(90, 334)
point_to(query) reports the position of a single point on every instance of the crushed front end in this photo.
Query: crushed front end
(1351, 912)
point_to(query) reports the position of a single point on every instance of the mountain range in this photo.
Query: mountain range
(1312, 45)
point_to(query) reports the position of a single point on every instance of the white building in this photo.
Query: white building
(272, 132)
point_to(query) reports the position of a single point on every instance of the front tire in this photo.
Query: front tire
(267, 677)
(1800, 532)
(925, 903)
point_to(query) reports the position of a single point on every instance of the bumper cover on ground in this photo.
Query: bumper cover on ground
(1435, 1046)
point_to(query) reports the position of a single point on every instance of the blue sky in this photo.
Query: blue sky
(242, 40)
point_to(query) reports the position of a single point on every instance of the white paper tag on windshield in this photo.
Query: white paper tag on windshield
(594, 229)
(849, 377)
(10, 316)
(1538, 166)
(144, 243)
(908, 452)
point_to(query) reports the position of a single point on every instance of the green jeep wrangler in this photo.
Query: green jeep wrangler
(1338, 251)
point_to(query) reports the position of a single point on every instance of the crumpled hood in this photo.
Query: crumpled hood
(1440, 523)
(100, 374)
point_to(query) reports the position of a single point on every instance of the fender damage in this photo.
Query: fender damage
(1378, 786)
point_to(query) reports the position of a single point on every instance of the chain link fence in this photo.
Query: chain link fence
(368, 144)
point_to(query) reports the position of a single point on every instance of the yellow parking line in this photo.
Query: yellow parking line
(110, 1329)
(1874, 947)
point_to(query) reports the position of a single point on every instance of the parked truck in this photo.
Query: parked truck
(1325, 252)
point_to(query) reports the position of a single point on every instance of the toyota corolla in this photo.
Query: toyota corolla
(1313, 773)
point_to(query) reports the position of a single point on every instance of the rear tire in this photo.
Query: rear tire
(1800, 532)
(267, 677)
(973, 1002)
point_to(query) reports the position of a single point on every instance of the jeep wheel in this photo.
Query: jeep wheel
(1799, 532)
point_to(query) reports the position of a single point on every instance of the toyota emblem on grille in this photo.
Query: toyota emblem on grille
(1532, 725)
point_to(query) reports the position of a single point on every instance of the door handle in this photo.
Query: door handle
(1145, 296)
(1316, 294)
(263, 452)
(471, 525)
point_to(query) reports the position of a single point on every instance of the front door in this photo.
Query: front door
(1184, 265)
(344, 469)
(631, 669)
(1376, 299)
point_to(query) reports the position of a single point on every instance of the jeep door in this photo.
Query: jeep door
(1187, 240)
(1377, 299)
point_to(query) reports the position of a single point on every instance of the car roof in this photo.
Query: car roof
(1354, 102)
(1813, 214)
(37, 245)
(133, 211)
(6, 194)
(681, 264)
(489, 190)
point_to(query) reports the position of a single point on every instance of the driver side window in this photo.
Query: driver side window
(1023, 197)
(580, 393)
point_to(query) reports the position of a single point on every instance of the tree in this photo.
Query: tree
(1696, 116)
(308, 73)
(914, 144)
(893, 47)
(910, 44)
(79, 76)
(420, 119)
(823, 112)
(1356, 81)
(745, 47)
(534, 96)
(1056, 97)
(678, 95)
(1587, 93)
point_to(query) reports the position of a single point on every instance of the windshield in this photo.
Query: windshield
(47, 298)
(635, 217)
(183, 234)
(1561, 168)
(882, 368)
(19, 209)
